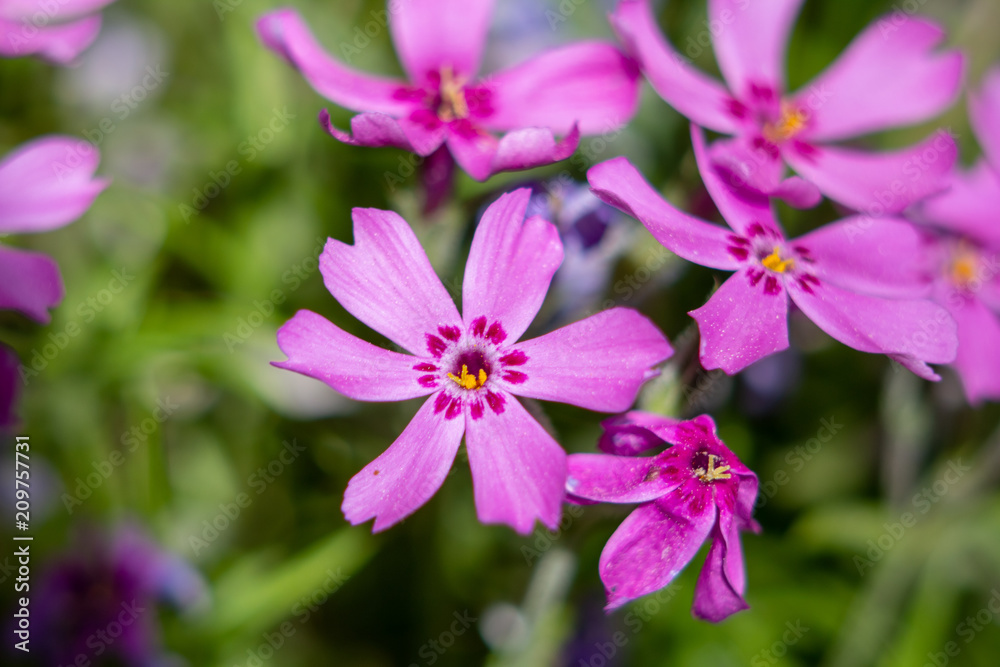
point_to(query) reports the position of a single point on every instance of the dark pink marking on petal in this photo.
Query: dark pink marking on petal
(409, 93)
(454, 409)
(476, 410)
(451, 333)
(515, 358)
(805, 286)
(496, 333)
(496, 402)
(515, 377)
(771, 286)
(807, 151)
(425, 368)
(435, 345)
(808, 277)
(755, 230)
(426, 119)
(737, 109)
(478, 326)
(755, 275)
(738, 240)
(739, 253)
(762, 144)
(428, 381)
(441, 402)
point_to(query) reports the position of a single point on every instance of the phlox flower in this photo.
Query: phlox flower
(965, 260)
(858, 279)
(56, 30)
(470, 366)
(889, 76)
(44, 184)
(694, 490)
(583, 88)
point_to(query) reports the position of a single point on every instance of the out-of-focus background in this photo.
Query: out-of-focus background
(190, 493)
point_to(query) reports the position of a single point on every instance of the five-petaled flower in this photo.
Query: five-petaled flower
(694, 490)
(44, 184)
(470, 365)
(888, 77)
(589, 88)
(965, 260)
(57, 31)
(858, 279)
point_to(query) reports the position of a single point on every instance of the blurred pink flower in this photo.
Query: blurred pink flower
(54, 30)
(858, 279)
(583, 88)
(691, 492)
(470, 365)
(888, 77)
(44, 184)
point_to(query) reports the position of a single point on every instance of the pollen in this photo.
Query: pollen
(792, 121)
(775, 263)
(964, 266)
(467, 381)
(713, 473)
(453, 105)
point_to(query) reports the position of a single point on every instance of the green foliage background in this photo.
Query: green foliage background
(181, 331)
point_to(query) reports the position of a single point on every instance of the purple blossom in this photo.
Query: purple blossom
(44, 184)
(889, 76)
(99, 598)
(469, 365)
(965, 259)
(857, 279)
(10, 383)
(584, 88)
(57, 31)
(692, 491)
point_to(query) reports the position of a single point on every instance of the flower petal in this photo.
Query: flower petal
(61, 10)
(889, 76)
(877, 183)
(406, 475)
(751, 41)
(978, 361)
(911, 327)
(969, 206)
(631, 433)
(722, 582)
(285, 33)
(616, 479)
(876, 256)
(433, 34)
(510, 266)
(695, 95)
(598, 363)
(357, 369)
(984, 112)
(618, 183)
(386, 281)
(590, 84)
(532, 147)
(10, 385)
(745, 320)
(29, 282)
(649, 549)
(518, 470)
(378, 130)
(59, 44)
(47, 183)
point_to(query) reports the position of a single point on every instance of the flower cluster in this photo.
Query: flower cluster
(875, 280)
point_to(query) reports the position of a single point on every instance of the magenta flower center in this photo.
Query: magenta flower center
(790, 121)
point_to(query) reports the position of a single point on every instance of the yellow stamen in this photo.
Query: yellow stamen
(775, 263)
(467, 381)
(713, 473)
(453, 104)
(964, 265)
(793, 120)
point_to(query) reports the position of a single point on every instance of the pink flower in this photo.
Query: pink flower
(56, 30)
(469, 365)
(692, 491)
(888, 77)
(44, 184)
(965, 261)
(587, 88)
(857, 279)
